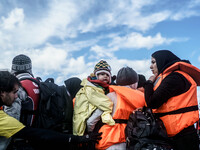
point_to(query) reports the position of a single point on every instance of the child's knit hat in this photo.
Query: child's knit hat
(102, 66)
(21, 63)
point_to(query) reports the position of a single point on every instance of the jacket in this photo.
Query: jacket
(179, 111)
(15, 109)
(127, 100)
(88, 99)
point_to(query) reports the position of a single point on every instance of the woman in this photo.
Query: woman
(172, 93)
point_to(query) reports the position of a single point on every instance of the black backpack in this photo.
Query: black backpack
(55, 109)
(145, 131)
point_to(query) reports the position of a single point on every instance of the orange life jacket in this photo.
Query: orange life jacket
(127, 101)
(176, 122)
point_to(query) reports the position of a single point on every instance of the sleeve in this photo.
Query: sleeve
(9, 125)
(47, 139)
(96, 116)
(97, 98)
(4, 142)
(173, 85)
(92, 120)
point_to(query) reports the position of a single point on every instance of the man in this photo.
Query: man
(21, 68)
(38, 138)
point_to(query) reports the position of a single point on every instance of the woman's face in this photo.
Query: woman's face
(153, 66)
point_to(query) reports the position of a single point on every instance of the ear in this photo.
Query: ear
(2, 94)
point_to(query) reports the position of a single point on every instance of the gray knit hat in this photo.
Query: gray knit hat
(21, 63)
(126, 76)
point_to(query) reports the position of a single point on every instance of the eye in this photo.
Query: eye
(153, 61)
(15, 91)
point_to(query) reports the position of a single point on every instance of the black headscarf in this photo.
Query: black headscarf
(73, 85)
(164, 59)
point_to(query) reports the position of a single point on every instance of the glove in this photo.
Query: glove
(91, 137)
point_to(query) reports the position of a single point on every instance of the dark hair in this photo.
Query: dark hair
(141, 81)
(7, 81)
(73, 85)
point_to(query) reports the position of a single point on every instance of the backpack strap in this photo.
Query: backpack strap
(178, 111)
(49, 80)
(121, 121)
(31, 79)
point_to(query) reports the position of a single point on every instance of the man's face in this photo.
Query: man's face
(9, 97)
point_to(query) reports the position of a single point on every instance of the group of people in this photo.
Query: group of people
(101, 105)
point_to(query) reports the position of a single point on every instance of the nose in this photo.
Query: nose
(151, 67)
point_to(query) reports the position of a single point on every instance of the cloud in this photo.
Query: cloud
(140, 66)
(128, 13)
(14, 19)
(136, 41)
(49, 59)
(53, 33)
(69, 19)
(190, 9)
(184, 14)
(101, 52)
(27, 33)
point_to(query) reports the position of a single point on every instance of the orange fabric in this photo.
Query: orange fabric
(127, 101)
(177, 122)
(193, 71)
(73, 101)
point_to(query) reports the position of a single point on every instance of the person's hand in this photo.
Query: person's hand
(152, 78)
(137, 109)
(91, 137)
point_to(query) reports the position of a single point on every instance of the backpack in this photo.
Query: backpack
(29, 104)
(145, 131)
(55, 108)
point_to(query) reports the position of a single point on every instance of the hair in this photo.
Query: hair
(8, 81)
(141, 81)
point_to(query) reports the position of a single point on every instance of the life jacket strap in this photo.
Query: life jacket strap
(121, 121)
(178, 111)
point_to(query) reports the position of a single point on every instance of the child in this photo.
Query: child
(126, 99)
(92, 96)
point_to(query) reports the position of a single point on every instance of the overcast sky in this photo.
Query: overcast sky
(66, 38)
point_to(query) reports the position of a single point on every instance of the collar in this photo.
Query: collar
(98, 82)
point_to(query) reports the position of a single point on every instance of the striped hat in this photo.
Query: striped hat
(102, 66)
(21, 63)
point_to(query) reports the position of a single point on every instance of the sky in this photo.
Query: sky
(66, 38)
